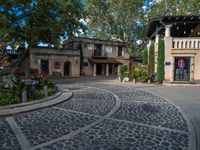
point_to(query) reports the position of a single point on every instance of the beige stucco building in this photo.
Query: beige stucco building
(56, 62)
(181, 35)
(100, 57)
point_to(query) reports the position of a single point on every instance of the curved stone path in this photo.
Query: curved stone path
(99, 116)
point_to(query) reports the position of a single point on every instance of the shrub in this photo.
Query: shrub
(18, 88)
(6, 99)
(124, 71)
(51, 91)
(39, 94)
(141, 73)
(160, 67)
(43, 80)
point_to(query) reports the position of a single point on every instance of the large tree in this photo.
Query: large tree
(34, 21)
(114, 19)
(174, 7)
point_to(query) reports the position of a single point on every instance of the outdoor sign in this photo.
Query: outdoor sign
(167, 63)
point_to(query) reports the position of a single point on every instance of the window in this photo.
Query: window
(90, 46)
(97, 50)
(120, 51)
(109, 49)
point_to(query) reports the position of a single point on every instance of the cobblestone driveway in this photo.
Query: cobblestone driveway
(99, 117)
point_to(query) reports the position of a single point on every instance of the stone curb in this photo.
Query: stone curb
(38, 104)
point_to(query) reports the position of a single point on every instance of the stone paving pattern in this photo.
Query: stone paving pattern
(139, 120)
(44, 125)
(139, 96)
(8, 139)
(152, 114)
(114, 135)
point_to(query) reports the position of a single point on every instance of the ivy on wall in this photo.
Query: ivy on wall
(160, 62)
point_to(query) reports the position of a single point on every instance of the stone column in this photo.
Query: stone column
(95, 70)
(168, 30)
(118, 70)
(107, 69)
(168, 56)
(156, 52)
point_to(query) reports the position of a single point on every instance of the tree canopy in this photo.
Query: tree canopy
(174, 7)
(114, 19)
(34, 21)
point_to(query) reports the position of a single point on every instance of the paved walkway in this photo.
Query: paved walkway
(187, 98)
(100, 116)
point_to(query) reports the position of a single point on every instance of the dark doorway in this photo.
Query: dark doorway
(182, 69)
(110, 69)
(99, 69)
(45, 66)
(67, 68)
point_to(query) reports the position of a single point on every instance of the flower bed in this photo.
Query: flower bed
(11, 91)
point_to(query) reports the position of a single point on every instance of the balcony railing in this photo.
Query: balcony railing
(186, 43)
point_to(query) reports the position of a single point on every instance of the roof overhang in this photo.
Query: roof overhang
(104, 61)
(181, 26)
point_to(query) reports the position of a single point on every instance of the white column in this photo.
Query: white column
(167, 31)
(94, 70)
(107, 69)
(156, 52)
(169, 59)
(118, 70)
(50, 67)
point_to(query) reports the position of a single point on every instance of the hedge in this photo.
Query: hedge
(145, 57)
(160, 62)
(151, 57)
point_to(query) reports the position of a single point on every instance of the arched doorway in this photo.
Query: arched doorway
(67, 68)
